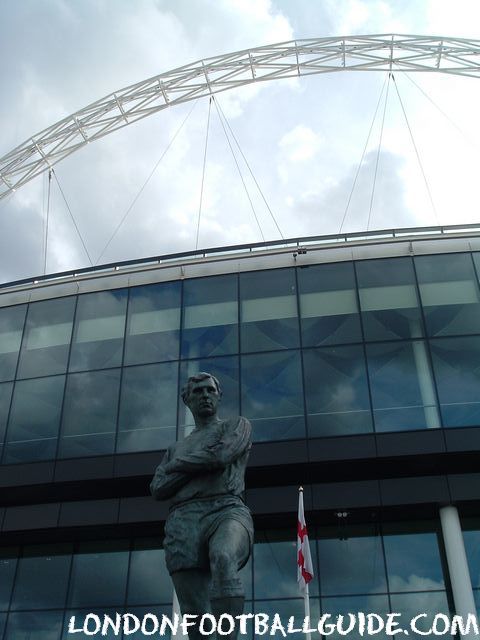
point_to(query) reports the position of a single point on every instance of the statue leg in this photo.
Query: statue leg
(192, 587)
(229, 548)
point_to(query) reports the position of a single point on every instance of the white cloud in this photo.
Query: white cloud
(300, 144)
(303, 137)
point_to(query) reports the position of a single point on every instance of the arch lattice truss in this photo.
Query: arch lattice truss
(214, 75)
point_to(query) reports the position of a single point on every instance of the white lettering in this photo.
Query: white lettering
(470, 627)
(261, 624)
(325, 629)
(231, 622)
(188, 620)
(243, 617)
(352, 620)
(277, 626)
(108, 622)
(127, 630)
(413, 625)
(96, 620)
(306, 626)
(371, 619)
(166, 622)
(446, 624)
(154, 619)
(389, 627)
(71, 626)
(361, 623)
(290, 626)
(213, 623)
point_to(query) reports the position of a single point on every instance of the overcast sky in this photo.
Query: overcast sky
(303, 139)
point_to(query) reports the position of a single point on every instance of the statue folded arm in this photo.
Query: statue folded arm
(214, 455)
(165, 485)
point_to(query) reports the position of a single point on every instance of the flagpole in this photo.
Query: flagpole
(304, 560)
(306, 603)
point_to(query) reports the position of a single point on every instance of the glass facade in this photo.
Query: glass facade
(374, 568)
(323, 350)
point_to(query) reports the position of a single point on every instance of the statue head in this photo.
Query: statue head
(201, 394)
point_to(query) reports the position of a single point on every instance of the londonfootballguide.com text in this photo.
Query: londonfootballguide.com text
(363, 624)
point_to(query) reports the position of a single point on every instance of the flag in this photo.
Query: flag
(304, 558)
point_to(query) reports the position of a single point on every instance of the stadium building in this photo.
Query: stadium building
(357, 360)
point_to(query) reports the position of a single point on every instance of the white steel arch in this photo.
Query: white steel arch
(213, 75)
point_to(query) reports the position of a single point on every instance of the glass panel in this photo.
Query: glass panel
(472, 548)
(449, 292)
(352, 563)
(34, 420)
(268, 310)
(148, 407)
(274, 562)
(5, 397)
(99, 330)
(210, 317)
(401, 383)
(411, 605)
(354, 604)
(8, 563)
(455, 364)
(99, 575)
(90, 414)
(34, 625)
(11, 328)
(336, 391)
(40, 566)
(148, 580)
(272, 396)
(388, 299)
(153, 325)
(413, 560)
(226, 371)
(47, 338)
(328, 304)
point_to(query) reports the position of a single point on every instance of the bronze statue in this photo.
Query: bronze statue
(209, 530)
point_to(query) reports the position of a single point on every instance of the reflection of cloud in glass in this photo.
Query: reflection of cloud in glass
(354, 565)
(413, 604)
(414, 583)
(414, 554)
(275, 572)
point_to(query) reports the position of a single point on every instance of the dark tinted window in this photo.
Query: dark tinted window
(210, 317)
(90, 413)
(403, 393)
(47, 338)
(153, 325)
(336, 391)
(148, 407)
(268, 310)
(449, 292)
(455, 364)
(34, 419)
(272, 395)
(388, 299)
(11, 328)
(328, 304)
(99, 330)
(42, 577)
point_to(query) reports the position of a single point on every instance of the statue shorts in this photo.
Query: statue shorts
(190, 525)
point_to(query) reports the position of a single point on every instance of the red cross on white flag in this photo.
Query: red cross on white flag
(304, 558)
